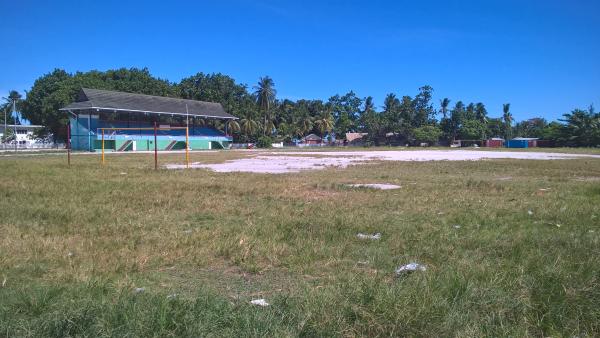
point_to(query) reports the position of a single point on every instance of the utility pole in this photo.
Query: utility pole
(4, 133)
(15, 122)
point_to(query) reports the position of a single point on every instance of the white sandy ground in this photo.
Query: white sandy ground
(286, 162)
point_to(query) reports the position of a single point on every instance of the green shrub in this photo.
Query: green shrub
(264, 142)
(427, 134)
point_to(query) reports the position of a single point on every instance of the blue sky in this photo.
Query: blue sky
(541, 56)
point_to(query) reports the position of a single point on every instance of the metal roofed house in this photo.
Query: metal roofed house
(355, 138)
(494, 142)
(95, 109)
(311, 139)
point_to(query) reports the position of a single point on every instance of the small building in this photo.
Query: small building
(355, 139)
(25, 134)
(468, 143)
(522, 142)
(311, 139)
(494, 142)
(133, 117)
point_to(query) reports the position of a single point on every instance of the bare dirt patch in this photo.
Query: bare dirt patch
(291, 162)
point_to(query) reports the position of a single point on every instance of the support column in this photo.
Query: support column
(90, 132)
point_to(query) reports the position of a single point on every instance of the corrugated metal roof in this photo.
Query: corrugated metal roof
(130, 102)
(312, 137)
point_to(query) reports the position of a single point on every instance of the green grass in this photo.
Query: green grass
(220, 240)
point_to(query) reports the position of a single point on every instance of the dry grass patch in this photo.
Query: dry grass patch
(75, 242)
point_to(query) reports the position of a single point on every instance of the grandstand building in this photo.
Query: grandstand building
(137, 114)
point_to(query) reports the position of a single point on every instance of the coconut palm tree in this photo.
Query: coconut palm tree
(444, 104)
(306, 125)
(325, 123)
(11, 103)
(248, 126)
(233, 126)
(508, 119)
(390, 103)
(269, 126)
(369, 105)
(200, 122)
(264, 93)
(481, 113)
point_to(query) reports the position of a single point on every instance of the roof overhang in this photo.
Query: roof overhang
(144, 111)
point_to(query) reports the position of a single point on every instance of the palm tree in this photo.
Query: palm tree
(390, 103)
(11, 102)
(306, 125)
(233, 126)
(369, 105)
(324, 123)
(507, 117)
(264, 93)
(269, 126)
(201, 122)
(481, 113)
(248, 126)
(444, 104)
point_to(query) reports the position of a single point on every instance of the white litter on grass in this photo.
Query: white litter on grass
(456, 226)
(291, 162)
(379, 186)
(375, 237)
(410, 267)
(172, 296)
(70, 254)
(123, 173)
(187, 232)
(139, 290)
(259, 302)
(529, 212)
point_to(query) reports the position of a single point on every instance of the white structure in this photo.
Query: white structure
(25, 137)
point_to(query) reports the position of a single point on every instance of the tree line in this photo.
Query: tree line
(400, 120)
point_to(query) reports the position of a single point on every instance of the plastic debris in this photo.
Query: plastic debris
(4, 282)
(189, 231)
(70, 254)
(375, 186)
(139, 290)
(123, 173)
(529, 212)
(259, 302)
(456, 226)
(374, 237)
(172, 296)
(410, 267)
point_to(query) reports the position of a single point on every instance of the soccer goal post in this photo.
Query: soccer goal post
(110, 134)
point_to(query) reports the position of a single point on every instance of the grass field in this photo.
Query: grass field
(75, 243)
